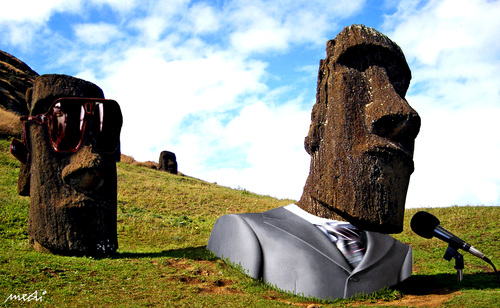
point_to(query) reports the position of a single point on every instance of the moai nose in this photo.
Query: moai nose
(389, 115)
(84, 170)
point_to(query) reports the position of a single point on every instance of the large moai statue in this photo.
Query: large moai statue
(361, 142)
(69, 154)
(362, 133)
(167, 162)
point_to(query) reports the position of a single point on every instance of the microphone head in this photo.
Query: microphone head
(424, 223)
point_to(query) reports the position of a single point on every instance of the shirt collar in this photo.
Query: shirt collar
(315, 220)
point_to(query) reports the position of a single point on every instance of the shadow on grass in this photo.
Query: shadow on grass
(446, 283)
(194, 253)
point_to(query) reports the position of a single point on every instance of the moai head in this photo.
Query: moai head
(69, 154)
(362, 134)
(168, 162)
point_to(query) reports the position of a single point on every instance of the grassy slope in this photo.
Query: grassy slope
(164, 222)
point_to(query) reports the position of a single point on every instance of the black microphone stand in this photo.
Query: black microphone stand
(452, 252)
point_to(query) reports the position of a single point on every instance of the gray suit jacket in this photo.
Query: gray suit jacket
(293, 255)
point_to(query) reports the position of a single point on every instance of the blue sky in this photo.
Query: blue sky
(229, 85)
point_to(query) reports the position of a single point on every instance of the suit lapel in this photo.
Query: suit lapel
(305, 232)
(378, 245)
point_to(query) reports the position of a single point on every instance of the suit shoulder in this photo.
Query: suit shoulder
(233, 239)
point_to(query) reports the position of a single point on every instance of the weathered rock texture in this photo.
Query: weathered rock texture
(15, 78)
(72, 196)
(362, 133)
(167, 162)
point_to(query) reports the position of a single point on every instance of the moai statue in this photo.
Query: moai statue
(362, 134)
(333, 243)
(69, 153)
(167, 162)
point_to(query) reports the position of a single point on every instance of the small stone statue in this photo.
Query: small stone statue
(167, 162)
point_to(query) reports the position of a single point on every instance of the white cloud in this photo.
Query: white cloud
(453, 51)
(439, 27)
(23, 20)
(269, 141)
(203, 19)
(455, 156)
(151, 27)
(19, 35)
(156, 95)
(266, 35)
(158, 17)
(266, 26)
(120, 5)
(97, 34)
(35, 11)
(169, 81)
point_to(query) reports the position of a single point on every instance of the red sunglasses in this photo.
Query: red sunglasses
(67, 121)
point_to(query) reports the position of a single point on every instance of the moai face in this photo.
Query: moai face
(73, 139)
(362, 134)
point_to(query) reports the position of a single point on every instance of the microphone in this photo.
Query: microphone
(427, 225)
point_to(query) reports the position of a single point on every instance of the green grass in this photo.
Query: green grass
(164, 222)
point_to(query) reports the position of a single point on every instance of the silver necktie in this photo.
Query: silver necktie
(349, 240)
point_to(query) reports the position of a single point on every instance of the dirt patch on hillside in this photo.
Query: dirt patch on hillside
(202, 277)
(431, 300)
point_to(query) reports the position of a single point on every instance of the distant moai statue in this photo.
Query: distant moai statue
(69, 153)
(168, 162)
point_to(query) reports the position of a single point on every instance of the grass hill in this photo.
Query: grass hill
(164, 222)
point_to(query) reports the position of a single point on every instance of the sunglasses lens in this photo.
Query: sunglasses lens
(108, 123)
(69, 119)
(18, 150)
(65, 121)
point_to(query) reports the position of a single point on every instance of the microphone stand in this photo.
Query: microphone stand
(452, 252)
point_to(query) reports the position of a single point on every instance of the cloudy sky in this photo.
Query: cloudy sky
(228, 85)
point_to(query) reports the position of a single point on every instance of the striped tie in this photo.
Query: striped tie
(349, 240)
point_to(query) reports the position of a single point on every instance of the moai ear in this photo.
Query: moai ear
(29, 96)
(23, 181)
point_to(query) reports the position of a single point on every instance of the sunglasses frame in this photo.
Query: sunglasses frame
(20, 149)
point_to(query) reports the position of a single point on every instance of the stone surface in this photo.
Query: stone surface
(362, 133)
(167, 162)
(72, 196)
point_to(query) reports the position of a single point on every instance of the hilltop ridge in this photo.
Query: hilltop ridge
(15, 78)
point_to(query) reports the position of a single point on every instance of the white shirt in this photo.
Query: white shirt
(319, 222)
(315, 220)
